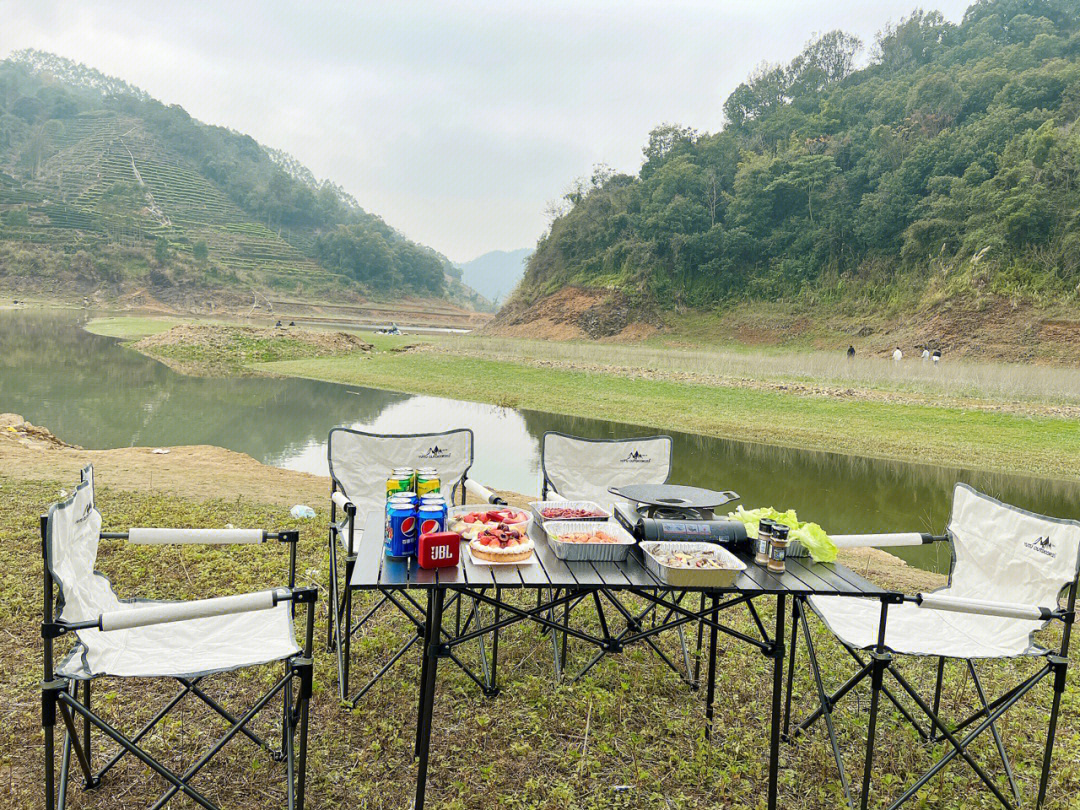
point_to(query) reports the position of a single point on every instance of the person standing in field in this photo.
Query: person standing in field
(937, 355)
(897, 355)
(925, 354)
(850, 352)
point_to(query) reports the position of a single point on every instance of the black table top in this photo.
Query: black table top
(373, 570)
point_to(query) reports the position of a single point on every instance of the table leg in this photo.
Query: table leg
(778, 688)
(431, 660)
(423, 674)
(710, 690)
(881, 661)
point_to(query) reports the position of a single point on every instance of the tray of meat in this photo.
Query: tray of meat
(591, 540)
(692, 565)
(569, 510)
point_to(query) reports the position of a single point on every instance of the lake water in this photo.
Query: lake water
(90, 390)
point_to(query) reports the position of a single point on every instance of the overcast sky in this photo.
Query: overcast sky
(457, 122)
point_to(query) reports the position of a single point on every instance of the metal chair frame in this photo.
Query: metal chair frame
(635, 620)
(62, 695)
(340, 627)
(879, 661)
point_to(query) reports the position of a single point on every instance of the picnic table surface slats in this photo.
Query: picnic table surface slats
(802, 577)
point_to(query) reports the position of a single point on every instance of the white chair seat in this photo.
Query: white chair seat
(913, 630)
(184, 649)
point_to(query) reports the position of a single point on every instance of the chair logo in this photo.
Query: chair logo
(86, 512)
(636, 457)
(1042, 545)
(436, 452)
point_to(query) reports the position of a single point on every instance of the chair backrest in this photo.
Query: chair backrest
(72, 532)
(583, 469)
(1006, 554)
(360, 462)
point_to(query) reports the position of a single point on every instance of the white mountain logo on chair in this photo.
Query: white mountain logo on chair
(636, 457)
(436, 452)
(1042, 545)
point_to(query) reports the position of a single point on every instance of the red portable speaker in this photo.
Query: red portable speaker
(439, 550)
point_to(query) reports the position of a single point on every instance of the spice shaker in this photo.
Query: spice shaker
(778, 548)
(761, 545)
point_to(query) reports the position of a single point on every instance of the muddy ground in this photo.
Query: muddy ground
(994, 328)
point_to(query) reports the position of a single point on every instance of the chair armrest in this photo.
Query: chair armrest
(198, 609)
(985, 607)
(482, 492)
(342, 502)
(886, 540)
(154, 536)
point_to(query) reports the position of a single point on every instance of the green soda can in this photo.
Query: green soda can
(409, 473)
(427, 481)
(398, 483)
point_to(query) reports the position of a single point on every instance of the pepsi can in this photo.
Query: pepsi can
(401, 530)
(431, 517)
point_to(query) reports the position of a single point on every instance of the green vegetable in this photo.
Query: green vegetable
(811, 535)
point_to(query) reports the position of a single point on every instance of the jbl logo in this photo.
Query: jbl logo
(441, 553)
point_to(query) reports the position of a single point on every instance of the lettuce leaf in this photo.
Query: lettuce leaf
(811, 535)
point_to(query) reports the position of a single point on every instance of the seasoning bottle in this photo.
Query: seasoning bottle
(778, 549)
(761, 545)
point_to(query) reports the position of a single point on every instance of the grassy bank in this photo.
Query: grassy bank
(538, 745)
(1045, 446)
(132, 327)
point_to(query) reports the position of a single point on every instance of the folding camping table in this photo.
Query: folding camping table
(556, 583)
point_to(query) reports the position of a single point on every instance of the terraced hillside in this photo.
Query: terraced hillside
(111, 182)
(104, 191)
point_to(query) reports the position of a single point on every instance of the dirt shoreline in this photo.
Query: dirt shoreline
(206, 472)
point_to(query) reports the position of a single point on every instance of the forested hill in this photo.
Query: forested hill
(101, 184)
(947, 166)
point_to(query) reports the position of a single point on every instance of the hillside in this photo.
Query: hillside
(941, 177)
(102, 188)
(496, 273)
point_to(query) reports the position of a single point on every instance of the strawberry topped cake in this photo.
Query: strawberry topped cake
(502, 543)
(469, 524)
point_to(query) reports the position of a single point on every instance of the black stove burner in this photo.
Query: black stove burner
(674, 512)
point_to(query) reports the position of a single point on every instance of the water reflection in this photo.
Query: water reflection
(91, 391)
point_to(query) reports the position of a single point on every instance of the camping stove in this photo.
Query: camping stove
(686, 514)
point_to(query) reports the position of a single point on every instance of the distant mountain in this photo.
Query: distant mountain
(101, 186)
(495, 274)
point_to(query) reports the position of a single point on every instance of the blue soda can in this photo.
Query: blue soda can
(431, 517)
(401, 530)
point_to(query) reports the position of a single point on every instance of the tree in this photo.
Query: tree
(199, 251)
(664, 140)
(826, 60)
(161, 250)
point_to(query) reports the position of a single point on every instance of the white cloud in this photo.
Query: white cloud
(455, 121)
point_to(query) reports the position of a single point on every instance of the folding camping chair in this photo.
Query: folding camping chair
(184, 641)
(578, 469)
(1008, 572)
(359, 465)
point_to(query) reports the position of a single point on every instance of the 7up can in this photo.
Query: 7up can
(427, 481)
